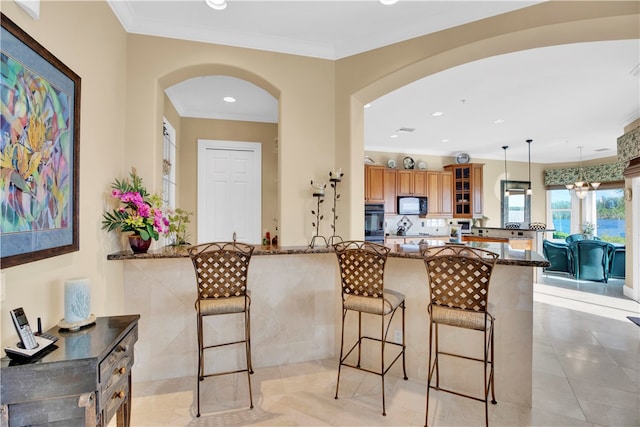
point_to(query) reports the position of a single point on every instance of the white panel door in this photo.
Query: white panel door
(229, 191)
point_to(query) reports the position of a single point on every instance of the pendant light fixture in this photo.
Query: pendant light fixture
(581, 187)
(529, 190)
(506, 190)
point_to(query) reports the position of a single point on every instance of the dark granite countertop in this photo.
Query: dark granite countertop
(508, 256)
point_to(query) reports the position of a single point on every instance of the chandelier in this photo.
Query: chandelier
(581, 187)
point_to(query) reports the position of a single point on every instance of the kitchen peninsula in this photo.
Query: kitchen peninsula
(295, 313)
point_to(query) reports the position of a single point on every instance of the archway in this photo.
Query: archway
(191, 129)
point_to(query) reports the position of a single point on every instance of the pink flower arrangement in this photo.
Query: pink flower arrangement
(139, 212)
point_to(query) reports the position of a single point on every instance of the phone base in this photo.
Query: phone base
(17, 352)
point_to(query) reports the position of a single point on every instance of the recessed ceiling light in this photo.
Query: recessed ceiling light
(437, 113)
(229, 99)
(388, 2)
(498, 121)
(217, 4)
(444, 140)
(393, 136)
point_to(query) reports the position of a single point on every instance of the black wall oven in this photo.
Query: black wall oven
(374, 222)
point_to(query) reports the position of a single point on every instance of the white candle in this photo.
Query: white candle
(77, 300)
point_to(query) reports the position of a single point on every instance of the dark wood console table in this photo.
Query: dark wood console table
(83, 381)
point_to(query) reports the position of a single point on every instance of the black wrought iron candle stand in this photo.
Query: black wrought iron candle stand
(335, 178)
(318, 193)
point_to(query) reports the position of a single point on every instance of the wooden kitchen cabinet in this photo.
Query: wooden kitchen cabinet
(390, 178)
(477, 200)
(440, 193)
(411, 183)
(374, 184)
(467, 189)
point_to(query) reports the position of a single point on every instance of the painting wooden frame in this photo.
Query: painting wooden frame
(39, 151)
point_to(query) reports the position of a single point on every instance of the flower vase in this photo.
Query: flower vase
(138, 244)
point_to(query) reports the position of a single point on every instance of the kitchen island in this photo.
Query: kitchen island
(296, 311)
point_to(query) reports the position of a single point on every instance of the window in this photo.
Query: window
(517, 206)
(610, 220)
(560, 204)
(168, 168)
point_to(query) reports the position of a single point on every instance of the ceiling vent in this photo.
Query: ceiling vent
(635, 71)
(603, 149)
(405, 130)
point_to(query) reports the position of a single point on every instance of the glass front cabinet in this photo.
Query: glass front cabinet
(467, 189)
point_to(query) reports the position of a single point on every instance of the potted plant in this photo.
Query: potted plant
(178, 220)
(138, 212)
(588, 228)
(454, 235)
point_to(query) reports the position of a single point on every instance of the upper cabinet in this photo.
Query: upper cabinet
(374, 184)
(390, 179)
(440, 193)
(467, 189)
(411, 182)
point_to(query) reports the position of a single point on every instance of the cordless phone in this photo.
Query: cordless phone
(27, 339)
(31, 344)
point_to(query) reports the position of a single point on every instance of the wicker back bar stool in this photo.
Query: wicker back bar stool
(221, 276)
(459, 279)
(362, 278)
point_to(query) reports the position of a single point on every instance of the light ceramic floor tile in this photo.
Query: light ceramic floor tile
(586, 372)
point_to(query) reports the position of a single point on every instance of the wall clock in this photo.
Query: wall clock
(462, 158)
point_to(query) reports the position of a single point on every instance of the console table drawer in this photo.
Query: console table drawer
(118, 362)
(115, 397)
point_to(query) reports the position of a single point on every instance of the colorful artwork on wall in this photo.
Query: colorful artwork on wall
(39, 151)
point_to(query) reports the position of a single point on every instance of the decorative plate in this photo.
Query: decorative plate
(462, 158)
(391, 163)
(408, 163)
(422, 166)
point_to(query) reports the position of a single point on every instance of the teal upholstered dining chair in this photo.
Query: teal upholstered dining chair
(591, 259)
(618, 263)
(558, 255)
(575, 237)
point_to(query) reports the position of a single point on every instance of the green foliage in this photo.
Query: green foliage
(178, 220)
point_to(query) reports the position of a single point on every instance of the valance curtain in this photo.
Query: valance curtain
(601, 173)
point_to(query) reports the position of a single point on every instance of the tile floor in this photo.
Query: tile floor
(586, 373)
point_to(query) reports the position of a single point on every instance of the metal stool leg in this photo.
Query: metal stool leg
(344, 314)
(200, 362)
(247, 339)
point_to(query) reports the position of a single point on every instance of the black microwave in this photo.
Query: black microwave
(410, 205)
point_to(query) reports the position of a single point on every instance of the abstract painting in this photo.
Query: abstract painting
(39, 151)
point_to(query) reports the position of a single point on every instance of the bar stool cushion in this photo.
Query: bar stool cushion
(373, 305)
(460, 318)
(213, 306)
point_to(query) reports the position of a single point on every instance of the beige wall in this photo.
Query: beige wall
(69, 30)
(227, 130)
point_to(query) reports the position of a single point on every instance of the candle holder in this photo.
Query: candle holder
(318, 193)
(77, 305)
(335, 176)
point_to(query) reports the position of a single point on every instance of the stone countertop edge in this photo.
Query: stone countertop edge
(508, 256)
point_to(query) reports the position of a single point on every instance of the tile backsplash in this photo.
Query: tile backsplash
(415, 225)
